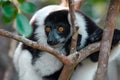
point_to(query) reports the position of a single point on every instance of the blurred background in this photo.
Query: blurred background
(95, 9)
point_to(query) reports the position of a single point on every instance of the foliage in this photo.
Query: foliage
(23, 25)
(27, 7)
(13, 10)
(95, 8)
(9, 11)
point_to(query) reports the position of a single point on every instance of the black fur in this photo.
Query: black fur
(53, 76)
(95, 35)
(57, 19)
(116, 37)
(54, 21)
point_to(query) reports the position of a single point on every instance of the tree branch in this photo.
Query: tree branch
(107, 39)
(34, 45)
(76, 58)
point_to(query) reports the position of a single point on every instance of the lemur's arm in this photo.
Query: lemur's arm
(97, 35)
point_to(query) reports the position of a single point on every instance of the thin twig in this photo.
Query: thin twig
(75, 32)
(69, 68)
(78, 4)
(107, 39)
(64, 3)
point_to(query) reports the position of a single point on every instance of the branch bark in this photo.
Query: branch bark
(74, 26)
(64, 3)
(107, 39)
(78, 4)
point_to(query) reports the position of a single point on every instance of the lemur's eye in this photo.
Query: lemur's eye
(60, 29)
(47, 29)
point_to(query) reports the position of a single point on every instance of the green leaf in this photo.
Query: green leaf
(6, 19)
(8, 10)
(4, 2)
(28, 7)
(23, 26)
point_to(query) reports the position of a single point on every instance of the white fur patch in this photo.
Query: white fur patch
(115, 53)
(44, 66)
(86, 71)
(47, 64)
(80, 22)
(22, 61)
(82, 28)
(43, 12)
(16, 56)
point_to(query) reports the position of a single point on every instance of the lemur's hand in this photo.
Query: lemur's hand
(96, 36)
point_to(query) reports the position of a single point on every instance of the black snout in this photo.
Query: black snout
(52, 42)
(52, 38)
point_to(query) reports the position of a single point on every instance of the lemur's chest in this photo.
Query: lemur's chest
(47, 64)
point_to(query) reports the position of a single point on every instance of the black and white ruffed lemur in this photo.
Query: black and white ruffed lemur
(52, 27)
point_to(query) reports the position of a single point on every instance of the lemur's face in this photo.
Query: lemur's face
(57, 28)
